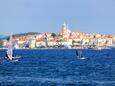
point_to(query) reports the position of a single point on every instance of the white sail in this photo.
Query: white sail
(9, 50)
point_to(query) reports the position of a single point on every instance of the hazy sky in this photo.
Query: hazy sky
(48, 15)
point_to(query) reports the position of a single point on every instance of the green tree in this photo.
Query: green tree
(54, 35)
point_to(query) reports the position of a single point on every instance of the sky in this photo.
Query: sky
(19, 16)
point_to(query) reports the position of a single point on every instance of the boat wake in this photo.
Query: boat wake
(81, 58)
(16, 57)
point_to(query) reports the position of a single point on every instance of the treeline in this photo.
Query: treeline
(20, 34)
(24, 34)
(17, 35)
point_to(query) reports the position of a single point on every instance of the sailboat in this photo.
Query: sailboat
(9, 51)
(80, 55)
(9, 54)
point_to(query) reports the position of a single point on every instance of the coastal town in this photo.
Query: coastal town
(63, 39)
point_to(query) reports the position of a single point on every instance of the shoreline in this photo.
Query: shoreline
(97, 48)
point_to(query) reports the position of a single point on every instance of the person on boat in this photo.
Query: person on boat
(79, 54)
(8, 57)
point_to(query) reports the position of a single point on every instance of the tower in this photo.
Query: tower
(66, 31)
(64, 27)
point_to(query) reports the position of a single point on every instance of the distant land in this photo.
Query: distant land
(63, 39)
(20, 34)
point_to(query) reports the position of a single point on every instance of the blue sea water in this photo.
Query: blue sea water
(58, 67)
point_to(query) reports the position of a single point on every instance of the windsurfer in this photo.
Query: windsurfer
(8, 57)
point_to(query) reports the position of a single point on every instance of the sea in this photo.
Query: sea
(58, 67)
